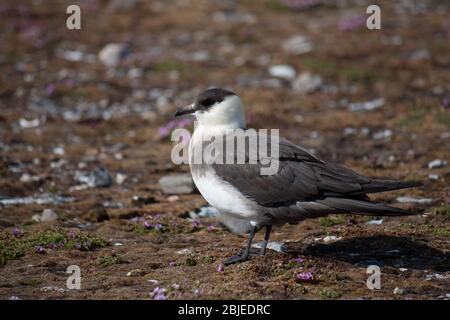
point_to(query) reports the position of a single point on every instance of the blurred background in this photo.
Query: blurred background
(86, 116)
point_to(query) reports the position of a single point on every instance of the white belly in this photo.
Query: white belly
(222, 195)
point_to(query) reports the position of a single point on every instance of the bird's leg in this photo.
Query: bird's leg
(266, 239)
(246, 255)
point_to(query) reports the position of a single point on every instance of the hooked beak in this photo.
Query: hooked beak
(185, 110)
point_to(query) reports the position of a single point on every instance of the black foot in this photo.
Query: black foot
(236, 259)
(253, 252)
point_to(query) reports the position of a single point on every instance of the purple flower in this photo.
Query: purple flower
(352, 23)
(196, 223)
(147, 225)
(304, 276)
(158, 226)
(40, 249)
(176, 286)
(220, 268)
(445, 103)
(158, 294)
(211, 228)
(299, 260)
(50, 89)
(52, 246)
(172, 264)
(17, 232)
(71, 234)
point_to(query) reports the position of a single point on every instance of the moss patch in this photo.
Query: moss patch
(12, 247)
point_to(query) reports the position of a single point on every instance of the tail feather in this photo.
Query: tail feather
(345, 205)
(379, 185)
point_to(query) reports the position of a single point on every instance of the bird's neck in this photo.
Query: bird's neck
(218, 129)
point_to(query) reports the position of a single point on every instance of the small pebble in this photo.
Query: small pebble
(435, 164)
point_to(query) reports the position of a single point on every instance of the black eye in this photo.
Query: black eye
(209, 102)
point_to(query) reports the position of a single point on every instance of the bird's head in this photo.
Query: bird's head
(216, 107)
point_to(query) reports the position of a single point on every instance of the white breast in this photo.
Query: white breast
(217, 192)
(222, 195)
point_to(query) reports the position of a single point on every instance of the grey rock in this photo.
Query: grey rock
(400, 291)
(97, 178)
(307, 83)
(112, 54)
(177, 184)
(46, 216)
(420, 54)
(297, 44)
(408, 199)
(204, 212)
(366, 105)
(272, 245)
(41, 199)
(383, 134)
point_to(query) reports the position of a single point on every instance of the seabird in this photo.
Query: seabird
(303, 186)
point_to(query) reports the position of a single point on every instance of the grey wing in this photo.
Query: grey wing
(302, 178)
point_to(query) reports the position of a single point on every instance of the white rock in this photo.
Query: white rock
(366, 105)
(52, 288)
(184, 251)
(26, 178)
(48, 215)
(45, 216)
(438, 163)
(272, 245)
(399, 291)
(375, 222)
(59, 151)
(433, 176)
(173, 198)
(331, 238)
(72, 55)
(383, 134)
(350, 131)
(307, 83)
(408, 199)
(120, 178)
(24, 123)
(282, 71)
(297, 44)
(112, 54)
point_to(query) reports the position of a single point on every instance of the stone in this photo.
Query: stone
(435, 164)
(408, 199)
(112, 54)
(283, 71)
(177, 184)
(307, 83)
(366, 105)
(46, 216)
(297, 44)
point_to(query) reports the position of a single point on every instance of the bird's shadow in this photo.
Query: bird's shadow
(398, 252)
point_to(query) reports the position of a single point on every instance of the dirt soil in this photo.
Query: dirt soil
(64, 112)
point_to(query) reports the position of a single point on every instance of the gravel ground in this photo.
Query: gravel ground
(85, 126)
